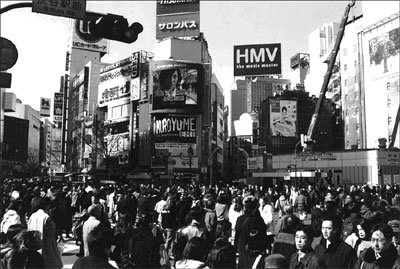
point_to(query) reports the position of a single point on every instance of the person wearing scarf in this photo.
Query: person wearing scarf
(382, 253)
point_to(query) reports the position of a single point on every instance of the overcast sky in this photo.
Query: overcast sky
(41, 39)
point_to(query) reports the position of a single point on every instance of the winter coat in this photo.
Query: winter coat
(42, 222)
(210, 220)
(284, 244)
(337, 255)
(92, 262)
(267, 215)
(88, 226)
(309, 261)
(389, 259)
(11, 217)
(146, 249)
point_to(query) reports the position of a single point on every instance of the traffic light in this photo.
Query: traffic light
(115, 27)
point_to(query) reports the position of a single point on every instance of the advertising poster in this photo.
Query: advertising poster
(82, 39)
(177, 18)
(177, 85)
(115, 80)
(45, 107)
(174, 131)
(384, 53)
(283, 115)
(258, 59)
(58, 107)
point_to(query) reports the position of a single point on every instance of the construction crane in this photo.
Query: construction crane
(308, 138)
(396, 126)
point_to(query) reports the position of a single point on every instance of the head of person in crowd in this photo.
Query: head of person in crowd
(209, 202)
(224, 229)
(38, 203)
(237, 204)
(95, 198)
(381, 237)
(331, 227)
(291, 222)
(363, 230)
(12, 231)
(395, 224)
(195, 249)
(99, 241)
(303, 238)
(95, 211)
(222, 255)
(276, 261)
(250, 204)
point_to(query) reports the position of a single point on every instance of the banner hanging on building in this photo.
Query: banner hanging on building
(257, 60)
(177, 85)
(45, 107)
(283, 116)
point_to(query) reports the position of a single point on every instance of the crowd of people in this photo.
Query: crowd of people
(200, 226)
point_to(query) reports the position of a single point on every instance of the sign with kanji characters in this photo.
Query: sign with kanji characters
(58, 106)
(258, 59)
(82, 39)
(178, 25)
(75, 9)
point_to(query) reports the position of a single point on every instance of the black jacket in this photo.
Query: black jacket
(337, 255)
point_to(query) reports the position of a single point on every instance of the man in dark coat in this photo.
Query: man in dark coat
(305, 256)
(332, 250)
(251, 233)
(382, 253)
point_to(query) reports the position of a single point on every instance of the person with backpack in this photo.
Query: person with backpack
(251, 233)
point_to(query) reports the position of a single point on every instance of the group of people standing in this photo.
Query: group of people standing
(199, 226)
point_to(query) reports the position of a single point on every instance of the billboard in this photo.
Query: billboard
(58, 107)
(82, 39)
(165, 7)
(174, 132)
(283, 116)
(45, 107)
(179, 25)
(115, 80)
(178, 18)
(177, 85)
(258, 59)
(384, 53)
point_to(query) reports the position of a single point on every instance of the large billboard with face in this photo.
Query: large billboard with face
(177, 85)
(283, 117)
(257, 60)
(174, 131)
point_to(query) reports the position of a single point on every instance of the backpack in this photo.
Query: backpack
(256, 237)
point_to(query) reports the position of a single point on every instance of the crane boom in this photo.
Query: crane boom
(328, 75)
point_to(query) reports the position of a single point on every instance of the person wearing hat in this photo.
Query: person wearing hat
(395, 224)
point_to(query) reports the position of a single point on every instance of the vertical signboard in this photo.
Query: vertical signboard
(177, 18)
(259, 59)
(58, 107)
(45, 107)
(283, 116)
(177, 85)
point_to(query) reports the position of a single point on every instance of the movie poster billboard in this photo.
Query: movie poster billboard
(257, 60)
(174, 131)
(384, 53)
(58, 107)
(45, 107)
(283, 116)
(177, 85)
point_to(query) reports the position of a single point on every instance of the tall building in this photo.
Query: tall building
(260, 88)
(238, 104)
(320, 45)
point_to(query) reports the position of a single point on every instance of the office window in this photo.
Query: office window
(355, 79)
(389, 102)
(345, 82)
(357, 111)
(388, 86)
(358, 143)
(389, 120)
(345, 67)
(357, 127)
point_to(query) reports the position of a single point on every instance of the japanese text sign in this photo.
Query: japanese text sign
(75, 9)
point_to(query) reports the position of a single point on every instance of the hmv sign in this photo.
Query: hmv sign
(256, 60)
